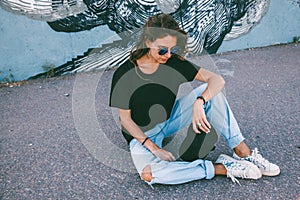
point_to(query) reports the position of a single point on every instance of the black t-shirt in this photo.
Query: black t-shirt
(150, 97)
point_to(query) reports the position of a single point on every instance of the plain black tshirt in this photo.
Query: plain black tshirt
(150, 97)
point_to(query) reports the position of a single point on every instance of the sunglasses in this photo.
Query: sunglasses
(163, 50)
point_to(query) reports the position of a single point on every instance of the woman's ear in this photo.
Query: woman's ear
(148, 43)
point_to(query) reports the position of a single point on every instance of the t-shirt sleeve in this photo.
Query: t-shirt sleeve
(120, 89)
(188, 69)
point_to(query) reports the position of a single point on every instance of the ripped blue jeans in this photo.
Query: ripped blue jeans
(218, 114)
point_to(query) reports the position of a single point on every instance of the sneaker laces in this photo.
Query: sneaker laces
(257, 158)
(233, 179)
(238, 172)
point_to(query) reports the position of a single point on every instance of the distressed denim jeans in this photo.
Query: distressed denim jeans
(220, 117)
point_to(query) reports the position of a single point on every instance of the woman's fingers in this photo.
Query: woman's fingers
(205, 128)
(207, 124)
(202, 125)
(172, 158)
(200, 122)
(168, 155)
(164, 155)
(196, 127)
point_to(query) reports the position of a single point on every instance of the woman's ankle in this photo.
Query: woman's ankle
(220, 169)
(242, 150)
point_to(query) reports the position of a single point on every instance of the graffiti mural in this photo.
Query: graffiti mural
(207, 22)
(295, 2)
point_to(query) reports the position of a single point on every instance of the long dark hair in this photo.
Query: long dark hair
(158, 26)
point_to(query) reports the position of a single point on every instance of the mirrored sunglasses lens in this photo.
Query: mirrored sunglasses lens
(174, 50)
(162, 51)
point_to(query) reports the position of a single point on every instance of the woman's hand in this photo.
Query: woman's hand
(164, 155)
(199, 118)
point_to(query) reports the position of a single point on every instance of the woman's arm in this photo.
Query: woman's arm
(215, 84)
(139, 135)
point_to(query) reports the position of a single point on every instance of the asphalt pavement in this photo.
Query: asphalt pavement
(60, 140)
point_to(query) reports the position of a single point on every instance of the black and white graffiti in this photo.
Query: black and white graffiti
(295, 2)
(207, 22)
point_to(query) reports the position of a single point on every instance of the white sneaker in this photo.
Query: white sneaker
(266, 168)
(239, 168)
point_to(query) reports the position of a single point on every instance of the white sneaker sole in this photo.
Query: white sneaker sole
(249, 164)
(271, 173)
(264, 173)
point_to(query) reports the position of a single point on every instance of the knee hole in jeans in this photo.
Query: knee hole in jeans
(147, 174)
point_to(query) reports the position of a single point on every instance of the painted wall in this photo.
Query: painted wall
(276, 27)
(29, 47)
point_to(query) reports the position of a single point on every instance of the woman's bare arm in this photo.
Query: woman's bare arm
(215, 83)
(139, 135)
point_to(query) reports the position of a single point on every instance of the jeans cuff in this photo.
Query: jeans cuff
(210, 169)
(235, 141)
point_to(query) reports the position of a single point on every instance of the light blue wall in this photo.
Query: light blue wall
(279, 25)
(27, 45)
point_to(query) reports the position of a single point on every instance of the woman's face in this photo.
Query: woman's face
(162, 48)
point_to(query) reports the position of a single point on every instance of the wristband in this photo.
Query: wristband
(145, 140)
(201, 97)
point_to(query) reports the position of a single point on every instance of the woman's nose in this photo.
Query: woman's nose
(168, 54)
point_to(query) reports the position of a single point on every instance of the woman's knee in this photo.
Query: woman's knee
(147, 174)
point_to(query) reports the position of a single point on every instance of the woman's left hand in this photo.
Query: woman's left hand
(199, 118)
